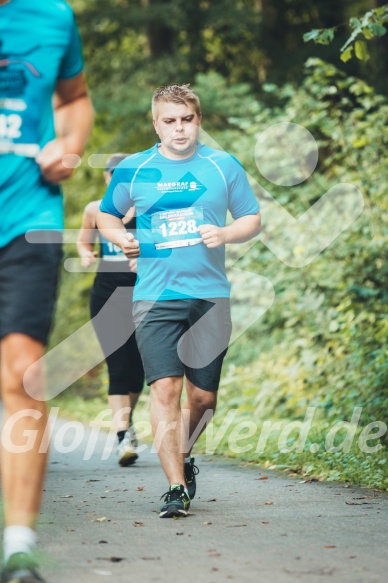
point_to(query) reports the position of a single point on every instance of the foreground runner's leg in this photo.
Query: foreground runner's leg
(198, 409)
(22, 471)
(166, 421)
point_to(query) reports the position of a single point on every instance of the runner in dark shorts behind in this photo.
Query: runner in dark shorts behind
(114, 282)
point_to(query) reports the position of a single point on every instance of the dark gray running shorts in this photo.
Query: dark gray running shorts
(28, 286)
(183, 337)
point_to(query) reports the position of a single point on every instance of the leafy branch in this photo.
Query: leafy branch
(369, 26)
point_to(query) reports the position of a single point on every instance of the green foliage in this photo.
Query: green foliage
(321, 37)
(370, 26)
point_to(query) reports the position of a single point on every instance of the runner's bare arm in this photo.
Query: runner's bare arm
(239, 231)
(112, 228)
(87, 235)
(73, 113)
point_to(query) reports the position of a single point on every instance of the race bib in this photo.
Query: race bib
(111, 252)
(177, 228)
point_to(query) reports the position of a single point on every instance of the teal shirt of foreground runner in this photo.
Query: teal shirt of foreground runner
(39, 44)
(172, 198)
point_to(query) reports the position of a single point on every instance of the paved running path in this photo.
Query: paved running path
(241, 529)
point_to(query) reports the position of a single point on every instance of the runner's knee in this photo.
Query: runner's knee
(22, 378)
(166, 391)
(203, 400)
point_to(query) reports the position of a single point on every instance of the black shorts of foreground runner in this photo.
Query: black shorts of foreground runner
(28, 285)
(165, 323)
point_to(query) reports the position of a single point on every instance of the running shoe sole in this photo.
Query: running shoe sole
(128, 458)
(173, 513)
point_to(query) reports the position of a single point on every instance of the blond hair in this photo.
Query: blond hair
(176, 94)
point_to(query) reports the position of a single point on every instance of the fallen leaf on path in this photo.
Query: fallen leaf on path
(207, 523)
(93, 481)
(309, 481)
(262, 478)
(211, 500)
(137, 523)
(265, 522)
(140, 488)
(111, 559)
(213, 553)
(179, 533)
(102, 542)
(102, 519)
(268, 503)
(329, 546)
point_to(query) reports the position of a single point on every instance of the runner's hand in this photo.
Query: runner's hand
(212, 236)
(50, 160)
(88, 258)
(129, 245)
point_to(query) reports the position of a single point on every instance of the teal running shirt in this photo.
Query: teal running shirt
(172, 198)
(39, 44)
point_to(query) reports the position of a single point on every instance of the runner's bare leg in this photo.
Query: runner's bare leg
(165, 411)
(22, 473)
(197, 403)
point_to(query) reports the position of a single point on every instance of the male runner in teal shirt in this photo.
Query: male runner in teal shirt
(40, 59)
(182, 191)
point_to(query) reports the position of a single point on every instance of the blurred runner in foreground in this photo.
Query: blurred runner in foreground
(41, 87)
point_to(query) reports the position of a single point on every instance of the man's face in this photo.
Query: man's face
(177, 126)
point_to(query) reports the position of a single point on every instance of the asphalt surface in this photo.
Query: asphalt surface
(100, 522)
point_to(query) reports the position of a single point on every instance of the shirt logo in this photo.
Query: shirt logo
(188, 183)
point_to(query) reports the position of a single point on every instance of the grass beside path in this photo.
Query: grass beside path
(272, 443)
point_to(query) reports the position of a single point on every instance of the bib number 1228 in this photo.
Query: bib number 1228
(178, 228)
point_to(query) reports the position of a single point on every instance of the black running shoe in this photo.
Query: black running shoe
(20, 568)
(190, 472)
(176, 502)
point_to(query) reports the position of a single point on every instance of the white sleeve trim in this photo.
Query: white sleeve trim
(136, 173)
(218, 168)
